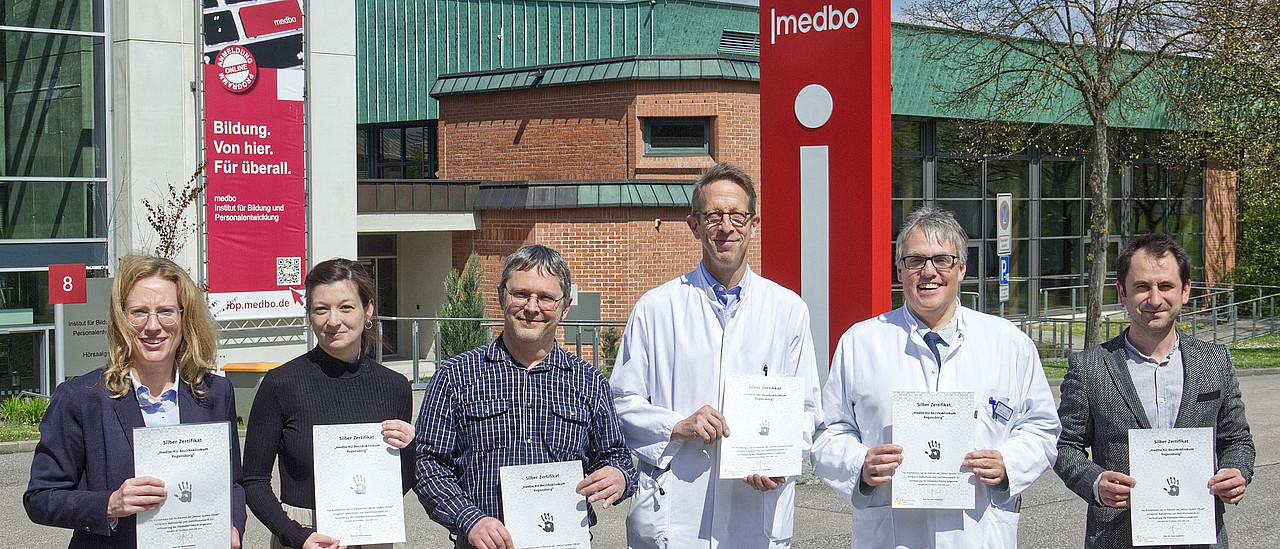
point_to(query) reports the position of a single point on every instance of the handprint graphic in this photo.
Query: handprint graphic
(359, 486)
(548, 523)
(764, 428)
(1173, 486)
(935, 450)
(184, 492)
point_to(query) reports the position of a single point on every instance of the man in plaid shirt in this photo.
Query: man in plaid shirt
(520, 400)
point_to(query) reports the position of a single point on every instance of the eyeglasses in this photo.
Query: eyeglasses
(167, 316)
(521, 300)
(944, 262)
(737, 219)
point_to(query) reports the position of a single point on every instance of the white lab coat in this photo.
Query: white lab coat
(991, 357)
(677, 346)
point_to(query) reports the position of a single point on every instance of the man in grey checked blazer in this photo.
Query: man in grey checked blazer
(1151, 376)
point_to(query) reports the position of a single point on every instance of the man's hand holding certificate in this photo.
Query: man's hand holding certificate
(935, 431)
(1171, 500)
(765, 414)
(541, 506)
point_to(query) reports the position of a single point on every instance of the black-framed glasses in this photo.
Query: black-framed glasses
(944, 262)
(737, 219)
(521, 299)
(167, 316)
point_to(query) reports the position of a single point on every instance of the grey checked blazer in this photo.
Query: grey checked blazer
(1100, 405)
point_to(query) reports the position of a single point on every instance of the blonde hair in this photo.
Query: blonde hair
(196, 355)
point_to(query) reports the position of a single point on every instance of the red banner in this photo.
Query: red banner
(256, 195)
(825, 158)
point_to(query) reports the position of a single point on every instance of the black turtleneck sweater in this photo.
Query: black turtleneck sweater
(313, 389)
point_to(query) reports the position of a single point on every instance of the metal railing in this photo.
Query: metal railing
(1213, 313)
(581, 336)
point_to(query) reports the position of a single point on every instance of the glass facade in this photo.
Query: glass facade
(1050, 221)
(53, 171)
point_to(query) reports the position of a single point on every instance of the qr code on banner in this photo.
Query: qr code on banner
(288, 271)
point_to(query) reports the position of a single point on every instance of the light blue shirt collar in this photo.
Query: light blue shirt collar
(728, 298)
(157, 412)
(948, 333)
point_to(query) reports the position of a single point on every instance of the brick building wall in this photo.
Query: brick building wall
(593, 132)
(614, 251)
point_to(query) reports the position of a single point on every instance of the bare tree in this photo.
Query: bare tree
(1087, 60)
(169, 218)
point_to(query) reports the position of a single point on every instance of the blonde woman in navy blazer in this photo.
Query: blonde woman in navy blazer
(162, 341)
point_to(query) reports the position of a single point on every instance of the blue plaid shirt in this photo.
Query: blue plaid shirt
(482, 411)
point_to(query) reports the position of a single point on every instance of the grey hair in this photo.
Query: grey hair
(937, 225)
(542, 258)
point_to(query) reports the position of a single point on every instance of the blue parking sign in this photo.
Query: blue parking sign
(1004, 269)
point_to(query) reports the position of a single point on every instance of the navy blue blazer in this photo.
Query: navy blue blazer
(86, 452)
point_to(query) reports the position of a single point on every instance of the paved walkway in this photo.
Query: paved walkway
(1052, 516)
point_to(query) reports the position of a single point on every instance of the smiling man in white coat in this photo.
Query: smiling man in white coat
(934, 344)
(681, 340)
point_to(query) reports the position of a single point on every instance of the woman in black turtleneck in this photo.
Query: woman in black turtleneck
(331, 384)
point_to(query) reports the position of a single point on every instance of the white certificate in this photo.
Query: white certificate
(194, 461)
(935, 431)
(1171, 502)
(359, 494)
(541, 506)
(766, 422)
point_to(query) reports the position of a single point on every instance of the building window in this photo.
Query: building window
(397, 151)
(677, 136)
(1050, 227)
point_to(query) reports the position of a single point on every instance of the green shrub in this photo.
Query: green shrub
(462, 300)
(26, 410)
(11, 410)
(609, 338)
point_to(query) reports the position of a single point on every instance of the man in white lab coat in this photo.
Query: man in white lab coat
(934, 344)
(681, 340)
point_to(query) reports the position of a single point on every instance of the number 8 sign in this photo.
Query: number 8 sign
(66, 283)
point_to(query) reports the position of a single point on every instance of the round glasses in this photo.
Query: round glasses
(944, 262)
(166, 316)
(521, 300)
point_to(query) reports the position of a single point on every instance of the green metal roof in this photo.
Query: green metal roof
(918, 79)
(640, 194)
(605, 70)
(402, 46)
(591, 193)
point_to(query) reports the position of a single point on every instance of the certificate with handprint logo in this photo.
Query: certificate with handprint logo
(1171, 502)
(541, 506)
(766, 422)
(359, 494)
(935, 430)
(194, 462)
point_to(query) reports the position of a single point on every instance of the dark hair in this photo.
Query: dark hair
(728, 172)
(1157, 245)
(339, 270)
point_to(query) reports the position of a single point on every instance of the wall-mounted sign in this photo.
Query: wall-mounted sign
(66, 283)
(825, 181)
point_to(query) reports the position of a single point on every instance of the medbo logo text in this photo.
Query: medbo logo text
(826, 19)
